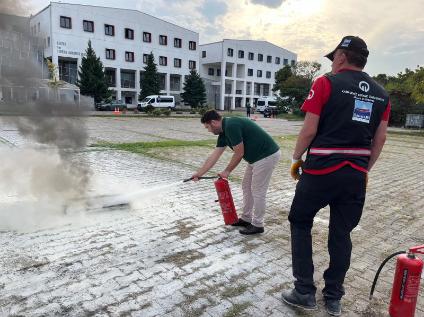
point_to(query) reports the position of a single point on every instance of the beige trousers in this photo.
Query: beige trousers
(255, 186)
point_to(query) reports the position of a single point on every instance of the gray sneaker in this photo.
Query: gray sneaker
(333, 307)
(303, 301)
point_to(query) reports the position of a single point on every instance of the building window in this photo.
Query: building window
(218, 72)
(192, 45)
(163, 40)
(129, 56)
(251, 56)
(269, 59)
(203, 54)
(211, 71)
(109, 30)
(163, 60)
(175, 81)
(110, 75)
(177, 62)
(240, 54)
(249, 72)
(177, 42)
(129, 34)
(147, 37)
(38, 27)
(230, 52)
(285, 61)
(65, 22)
(293, 62)
(277, 60)
(88, 26)
(48, 41)
(259, 73)
(192, 64)
(260, 57)
(127, 79)
(145, 57)
(110, 53)
(268, 74)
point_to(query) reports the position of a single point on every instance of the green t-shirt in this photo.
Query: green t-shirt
(257, 143)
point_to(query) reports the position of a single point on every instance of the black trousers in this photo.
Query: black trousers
(344, 191)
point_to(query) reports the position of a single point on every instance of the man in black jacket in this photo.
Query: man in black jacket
(344, 131)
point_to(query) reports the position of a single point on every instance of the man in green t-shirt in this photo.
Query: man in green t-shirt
(251, 143)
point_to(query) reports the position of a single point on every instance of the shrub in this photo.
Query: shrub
(166, 112)
(149, 109)
(156, 112)
(203, 110)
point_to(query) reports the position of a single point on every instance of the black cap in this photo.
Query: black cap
(351, 43)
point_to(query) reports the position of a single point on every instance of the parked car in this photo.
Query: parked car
(157, 102)
(111, 106)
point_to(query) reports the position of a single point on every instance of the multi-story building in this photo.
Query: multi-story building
(21, 66)
(241, 71)
(122, 39)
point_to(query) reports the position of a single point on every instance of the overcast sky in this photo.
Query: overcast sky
(393, 29)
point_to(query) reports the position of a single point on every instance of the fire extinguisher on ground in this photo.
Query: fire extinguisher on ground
(406, 283)
(226, 201)
(225, 198)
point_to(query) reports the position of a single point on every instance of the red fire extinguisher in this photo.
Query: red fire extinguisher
(226, 201)
(406, 283)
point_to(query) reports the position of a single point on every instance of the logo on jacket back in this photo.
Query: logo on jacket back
(362, 111)
(364, 86)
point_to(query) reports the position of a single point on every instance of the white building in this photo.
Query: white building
(249, 70)
(122, 39)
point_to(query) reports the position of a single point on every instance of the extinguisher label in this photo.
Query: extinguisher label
(413, 287)
(402, 286)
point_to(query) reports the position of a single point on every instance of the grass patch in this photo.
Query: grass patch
(234, 291)
(237, 309)
(290, 117)
(142, 147)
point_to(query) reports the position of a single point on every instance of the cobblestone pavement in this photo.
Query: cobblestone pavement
(169, 253)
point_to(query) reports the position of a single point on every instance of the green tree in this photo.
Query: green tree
(294, 83)
(150, 83)
(194, 90)
(92, 80)
(281, 76)
(306, 69)
(406, 91)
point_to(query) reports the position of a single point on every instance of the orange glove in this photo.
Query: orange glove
(295, 169)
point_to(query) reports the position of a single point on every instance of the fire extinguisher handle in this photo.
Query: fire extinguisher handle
(418, 249)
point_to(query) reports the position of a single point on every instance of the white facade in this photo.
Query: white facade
(245, 77)
(67, 28)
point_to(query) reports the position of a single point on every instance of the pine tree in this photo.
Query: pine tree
(92, 80)
(194, 90)
(150, 84)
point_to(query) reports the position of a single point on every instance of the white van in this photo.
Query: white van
(157, 102)
(265, 102)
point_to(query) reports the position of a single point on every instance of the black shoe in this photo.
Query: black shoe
(333, 306)
(251, 229)
(303, 301)
(241, 223)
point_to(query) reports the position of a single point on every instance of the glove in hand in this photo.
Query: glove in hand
(296, 169)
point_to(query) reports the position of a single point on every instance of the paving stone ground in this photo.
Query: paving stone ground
(169, 253)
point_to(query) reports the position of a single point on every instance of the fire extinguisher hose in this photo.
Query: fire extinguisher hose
(380, 268)
(203, 177)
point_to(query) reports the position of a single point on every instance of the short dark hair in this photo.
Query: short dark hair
(355, 59)
(209, 116)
